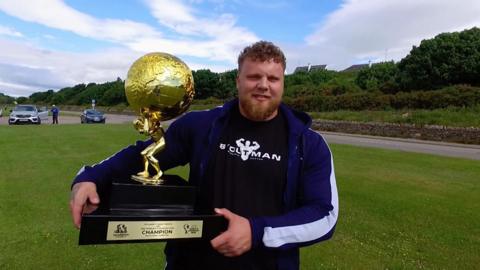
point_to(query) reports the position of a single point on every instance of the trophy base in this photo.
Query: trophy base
(106, 227)
(133, 213)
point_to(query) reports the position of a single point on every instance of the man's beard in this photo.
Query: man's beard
(256, 112)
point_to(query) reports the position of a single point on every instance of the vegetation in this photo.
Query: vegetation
(379, 76)
(398, 210)
(452, 117)
(4, 99)
(453, 96)
(449, 58)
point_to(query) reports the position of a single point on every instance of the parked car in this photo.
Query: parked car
(27, 114)
(92, 116)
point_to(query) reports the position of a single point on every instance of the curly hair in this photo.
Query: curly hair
(263, 51)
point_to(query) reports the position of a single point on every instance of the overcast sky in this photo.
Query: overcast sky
(50, 44)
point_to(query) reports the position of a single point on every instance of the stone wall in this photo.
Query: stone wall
(431, 133)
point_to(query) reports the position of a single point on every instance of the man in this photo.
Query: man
(254, 161)
(54, 111)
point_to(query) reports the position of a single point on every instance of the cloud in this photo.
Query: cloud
(215, 39)
(56, 14)
(377, 29)
(9, 32)
(25, 68)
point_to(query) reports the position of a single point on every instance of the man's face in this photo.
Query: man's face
(260, 89)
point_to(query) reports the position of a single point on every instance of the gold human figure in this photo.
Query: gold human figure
(149, 123)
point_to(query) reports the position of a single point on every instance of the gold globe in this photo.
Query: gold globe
(160, 82)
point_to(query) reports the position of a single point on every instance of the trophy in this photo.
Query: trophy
(151, 206)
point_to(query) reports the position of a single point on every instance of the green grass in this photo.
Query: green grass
(454, 117)
(397, 210)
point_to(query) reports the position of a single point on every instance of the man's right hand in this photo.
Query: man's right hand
(84, 198)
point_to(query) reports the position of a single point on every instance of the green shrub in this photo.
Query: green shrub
(453, 96)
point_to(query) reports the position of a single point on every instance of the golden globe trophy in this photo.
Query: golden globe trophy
(160, 87)
(152, 207)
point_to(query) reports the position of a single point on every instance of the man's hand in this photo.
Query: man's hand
(84, 198)
(237, 239)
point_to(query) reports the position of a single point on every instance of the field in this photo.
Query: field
(397, 210)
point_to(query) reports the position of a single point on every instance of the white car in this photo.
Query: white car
(27, 114)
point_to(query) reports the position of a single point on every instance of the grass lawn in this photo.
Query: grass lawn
(397, 210)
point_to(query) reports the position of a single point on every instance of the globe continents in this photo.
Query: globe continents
(160, 82)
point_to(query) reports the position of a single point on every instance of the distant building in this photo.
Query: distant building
(309, 68)
(317, 67)
(356, 67)
(301, 69)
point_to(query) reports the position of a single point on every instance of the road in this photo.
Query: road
(74, 118)
(410, 145)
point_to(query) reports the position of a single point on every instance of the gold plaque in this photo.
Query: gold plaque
(144, 230)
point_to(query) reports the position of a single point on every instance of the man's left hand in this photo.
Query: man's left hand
(237, 239)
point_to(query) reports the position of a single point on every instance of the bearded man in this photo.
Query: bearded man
(277, 196)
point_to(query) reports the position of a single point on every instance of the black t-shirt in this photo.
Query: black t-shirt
(248, 171)
(246, 174)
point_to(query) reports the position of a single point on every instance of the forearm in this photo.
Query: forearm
(315, 217)
(118, 166)
(300, 227)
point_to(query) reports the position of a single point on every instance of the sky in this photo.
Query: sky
(51, 44)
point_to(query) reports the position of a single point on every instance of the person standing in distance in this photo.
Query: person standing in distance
(277, 196)
(55, 112)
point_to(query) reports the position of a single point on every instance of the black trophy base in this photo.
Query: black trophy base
(133, 213)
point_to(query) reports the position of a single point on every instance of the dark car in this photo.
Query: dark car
(92, 116)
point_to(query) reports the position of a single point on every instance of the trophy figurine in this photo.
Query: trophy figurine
(149, 123)
(160, 87)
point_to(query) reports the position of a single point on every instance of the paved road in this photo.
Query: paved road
(410, 145)
(74, 118)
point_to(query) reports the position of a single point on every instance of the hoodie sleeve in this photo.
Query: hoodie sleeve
(128, 161)
(315, 217)
(120, 165)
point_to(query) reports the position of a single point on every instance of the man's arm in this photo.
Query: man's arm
(84, 199)
(315, 218)
(84, 195)
(123, 164)
(237, 239)
(312, 222)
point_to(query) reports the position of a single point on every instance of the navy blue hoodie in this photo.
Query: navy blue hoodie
(310, 199)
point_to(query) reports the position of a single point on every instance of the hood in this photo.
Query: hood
(298, 121)
(23, 112)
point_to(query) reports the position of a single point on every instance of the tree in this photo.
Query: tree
(227, 84)
(114, 94)
(4, 99)
(449, 58)
(206, 82)
(379, 76)
(21, 100)
(42, 97)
